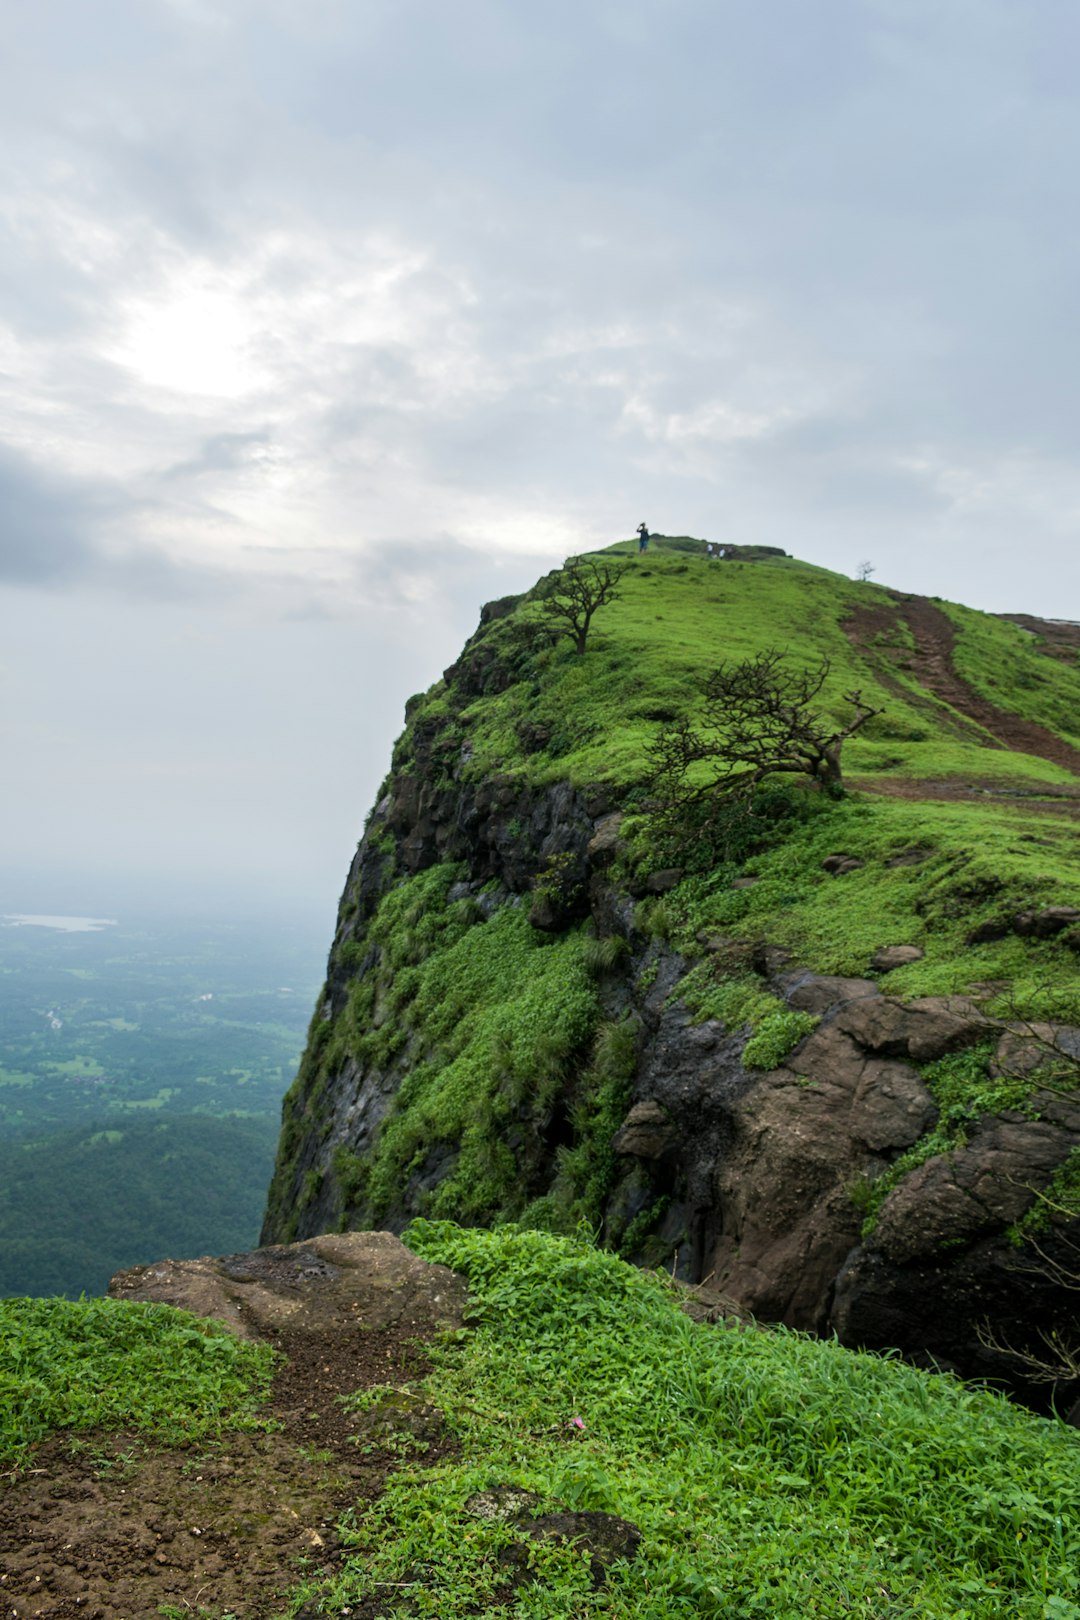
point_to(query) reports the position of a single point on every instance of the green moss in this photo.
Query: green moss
(964, 1090)
(777, 1035)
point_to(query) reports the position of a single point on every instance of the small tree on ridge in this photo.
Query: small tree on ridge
(581, 587)
(759, 721)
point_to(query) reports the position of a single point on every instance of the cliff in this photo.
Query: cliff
(818, 1054)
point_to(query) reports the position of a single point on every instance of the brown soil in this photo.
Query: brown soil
(1057, 638)
(1036, 797)
(932, 664)
(110, 1526)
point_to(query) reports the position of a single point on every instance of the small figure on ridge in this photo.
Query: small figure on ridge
(643, 537)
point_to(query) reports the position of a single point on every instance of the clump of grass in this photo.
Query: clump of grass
(776, 1036)
(602, 956)
(964, 1089)
(770, 1475)
(96, 1363)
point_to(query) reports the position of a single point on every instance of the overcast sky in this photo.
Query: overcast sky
(323, 321)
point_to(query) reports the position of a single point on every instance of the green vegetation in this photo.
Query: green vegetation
(768, 1474)
(1001, 663)
(679, 616)
(485, 1031)
(100, 1363)
(974, 864)
(141, 1071)
(486, 1021)
(78, 1205)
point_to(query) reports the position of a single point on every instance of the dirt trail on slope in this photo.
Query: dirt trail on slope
(121, 1527)
(932, 664)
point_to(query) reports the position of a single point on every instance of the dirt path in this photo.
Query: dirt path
(120, 1527)
(932, 665)
(935, 638)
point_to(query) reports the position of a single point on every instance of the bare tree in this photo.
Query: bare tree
(759, 721)
(864, 571)
(1047, 1055)
(581, 587)
(1053, 1356)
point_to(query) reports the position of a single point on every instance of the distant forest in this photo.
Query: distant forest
(142, 1066)
(81, 1204)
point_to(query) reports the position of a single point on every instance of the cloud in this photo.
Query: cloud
(504, 276)
(43, 529)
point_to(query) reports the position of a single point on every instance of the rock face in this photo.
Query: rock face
(753, 1184)
(365, 1280)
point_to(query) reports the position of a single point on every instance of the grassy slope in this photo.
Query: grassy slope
(679, 615)
(769, 1474)
(506, 1037)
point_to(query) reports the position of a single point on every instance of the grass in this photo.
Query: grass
(99, 1363)
(1002, 663)
(489, 1024)
(768, 1474)
(678, 616)
(980, 863)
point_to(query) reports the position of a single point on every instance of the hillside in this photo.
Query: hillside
(582, 1447)
(818, 1053)
(803, 1057)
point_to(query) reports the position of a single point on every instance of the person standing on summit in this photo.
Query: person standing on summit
(643, 537)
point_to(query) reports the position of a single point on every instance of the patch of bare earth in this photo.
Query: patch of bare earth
(113, 1527)
(932, 664)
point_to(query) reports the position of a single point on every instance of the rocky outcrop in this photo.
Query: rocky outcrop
(355, 1281)
(755, 1185)
(766, 1176)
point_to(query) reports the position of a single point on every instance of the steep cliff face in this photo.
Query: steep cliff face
(824, 1068)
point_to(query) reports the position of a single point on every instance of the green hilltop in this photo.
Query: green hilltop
(525, 955)
(491, 1036)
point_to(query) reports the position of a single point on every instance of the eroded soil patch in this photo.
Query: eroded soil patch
(116, 1528)
(931, 662)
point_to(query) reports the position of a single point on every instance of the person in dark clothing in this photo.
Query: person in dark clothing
(643, 537)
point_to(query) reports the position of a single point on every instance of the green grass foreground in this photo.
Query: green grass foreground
(769, 1474)
(114, 1364)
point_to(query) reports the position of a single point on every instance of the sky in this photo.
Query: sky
(324, 321)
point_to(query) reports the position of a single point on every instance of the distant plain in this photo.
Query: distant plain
(142, 1064)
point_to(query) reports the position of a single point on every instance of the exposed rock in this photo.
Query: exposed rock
(819, 993)
(354, 1279)
(895, 956)
(1044, 924)
(604, 843)
(663, 882)
(910, 857)
(1024, 1048)
(954, 1198)
(892, 1107)
(839, 864)
(923, 1030)
(645, 1133)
